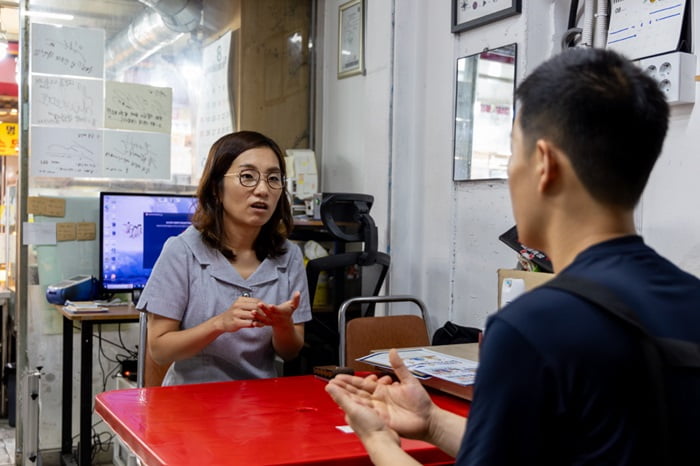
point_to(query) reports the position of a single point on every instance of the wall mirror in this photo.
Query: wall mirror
(484, 110)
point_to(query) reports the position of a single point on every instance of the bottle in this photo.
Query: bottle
(321, 296)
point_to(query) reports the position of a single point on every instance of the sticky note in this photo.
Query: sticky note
(46, 206)
(65, 231)
(85, 231)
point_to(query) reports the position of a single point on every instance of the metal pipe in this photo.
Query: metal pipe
(178, 15)
(161, 24)
(22, 250)
(588, 23)
(600, 37)
(371, 300)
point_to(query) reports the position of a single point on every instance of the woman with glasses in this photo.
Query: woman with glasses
(230, 292)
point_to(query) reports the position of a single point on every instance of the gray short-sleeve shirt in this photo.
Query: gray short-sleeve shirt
(192, 283)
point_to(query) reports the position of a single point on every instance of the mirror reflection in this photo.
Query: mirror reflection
(484, 113)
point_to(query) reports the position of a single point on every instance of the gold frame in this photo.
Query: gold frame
(351, 33)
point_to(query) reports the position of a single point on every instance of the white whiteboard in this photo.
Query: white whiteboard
(66, 102)
(135, 154)
(65, 152)
(138, 107)
(67, 51)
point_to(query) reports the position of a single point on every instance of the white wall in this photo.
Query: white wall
(354, 113)
(390, 133)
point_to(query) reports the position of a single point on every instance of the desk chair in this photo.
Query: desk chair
(359, 336)
(346, 217)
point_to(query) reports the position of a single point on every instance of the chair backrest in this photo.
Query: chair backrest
(342, 276)
(364, 334)
(343, 279)
(361, 335)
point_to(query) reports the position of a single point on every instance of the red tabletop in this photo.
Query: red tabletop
(286, 420)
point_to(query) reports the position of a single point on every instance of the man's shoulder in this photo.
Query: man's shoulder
(540, 300)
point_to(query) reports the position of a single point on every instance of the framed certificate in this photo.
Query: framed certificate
(470, 14)
(351, 38)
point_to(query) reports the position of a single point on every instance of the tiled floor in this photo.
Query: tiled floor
(7, 443)
(7, 446)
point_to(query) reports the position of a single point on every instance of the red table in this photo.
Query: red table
(286, 420)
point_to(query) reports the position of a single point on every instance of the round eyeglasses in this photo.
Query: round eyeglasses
(250, 178)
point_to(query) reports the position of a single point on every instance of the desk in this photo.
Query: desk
(461, 350)
(115, 315)
(306, 228)
(286, 420)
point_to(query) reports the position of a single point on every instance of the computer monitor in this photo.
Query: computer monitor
(133, 230)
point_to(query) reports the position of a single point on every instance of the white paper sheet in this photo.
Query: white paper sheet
(138, 107)
(642, 29)
(135, 154)
(65, 152)
(38, 233)
(424, 362)
(67, 50)
(67, 102)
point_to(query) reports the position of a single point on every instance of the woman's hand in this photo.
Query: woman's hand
(287, 337)
(279, 315)
(241, 314)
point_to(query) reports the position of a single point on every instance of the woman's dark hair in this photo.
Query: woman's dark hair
(603, 111)
(208, 218)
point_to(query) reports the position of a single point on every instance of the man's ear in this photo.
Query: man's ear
(547, 163)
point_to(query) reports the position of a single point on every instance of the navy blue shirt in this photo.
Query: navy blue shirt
(561, 383)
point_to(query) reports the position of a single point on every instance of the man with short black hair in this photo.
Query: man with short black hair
(561, 382)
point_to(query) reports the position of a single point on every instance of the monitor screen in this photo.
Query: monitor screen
(133, 229)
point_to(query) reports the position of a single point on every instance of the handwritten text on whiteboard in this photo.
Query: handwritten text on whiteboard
(138, 107)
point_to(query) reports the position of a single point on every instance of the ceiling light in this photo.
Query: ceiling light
(49, 15)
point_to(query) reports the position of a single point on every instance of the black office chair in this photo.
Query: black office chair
(347, 275)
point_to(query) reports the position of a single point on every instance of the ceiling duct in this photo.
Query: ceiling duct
(160, 25)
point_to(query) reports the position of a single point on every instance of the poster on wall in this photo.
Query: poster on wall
(9, 138)
(351, 38)
(138, 107)
(67, 51)
(640, 30)
(66, 102)
(215, 113)
(65, 152)
(136, 155)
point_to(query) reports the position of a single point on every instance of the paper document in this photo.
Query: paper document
(425, 363)
(642, 29)
(83, 307)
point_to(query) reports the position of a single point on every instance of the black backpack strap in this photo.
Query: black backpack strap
(676, 353)
(652, 349)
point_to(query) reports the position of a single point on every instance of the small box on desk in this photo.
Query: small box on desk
(512, 283)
